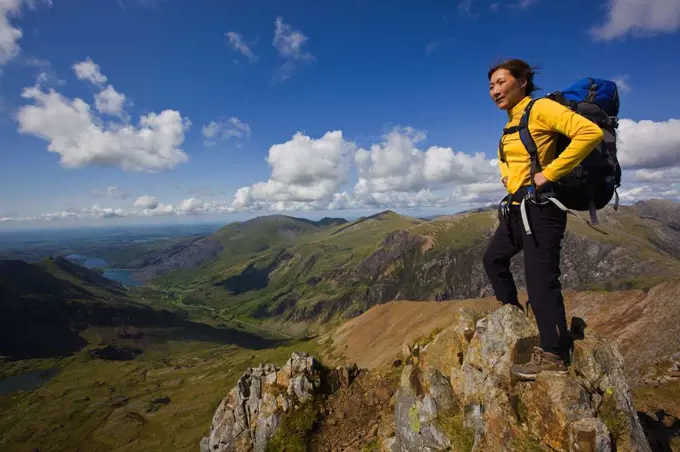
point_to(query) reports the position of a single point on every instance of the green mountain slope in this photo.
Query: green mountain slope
(338, 272)
(233, 243)
(47, 305)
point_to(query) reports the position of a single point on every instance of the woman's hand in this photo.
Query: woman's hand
(505, 181)
(540, 180)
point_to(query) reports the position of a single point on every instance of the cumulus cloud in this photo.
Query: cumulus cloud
(11, 34)
(224, 130)
(79, 214)
(109, 101)
(236, 41)
(146, 202)
(643, 192)
(649, 144)
(397, 164)
(192, 205)
(307, 174)
(400, 173)
(289, 43)
(649, 154)
(89, 70)
(81, 138)
(303, 170)
(638, 18)
(110, 192)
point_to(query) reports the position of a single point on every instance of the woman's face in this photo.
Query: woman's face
(505, 90)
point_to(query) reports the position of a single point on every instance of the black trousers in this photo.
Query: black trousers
(541, 266)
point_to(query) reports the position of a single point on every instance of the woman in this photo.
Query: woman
(511, 86)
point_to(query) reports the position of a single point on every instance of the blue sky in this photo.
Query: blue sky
(389, 101)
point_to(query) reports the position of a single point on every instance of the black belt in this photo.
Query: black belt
(522, 192)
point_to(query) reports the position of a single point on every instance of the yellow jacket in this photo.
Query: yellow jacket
(546, 118)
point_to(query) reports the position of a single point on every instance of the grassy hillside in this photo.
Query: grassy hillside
(128, 368)
(232, 244)
(280, 269)
(162, 400)
(46, 306)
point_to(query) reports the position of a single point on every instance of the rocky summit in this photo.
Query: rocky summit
(455, 393)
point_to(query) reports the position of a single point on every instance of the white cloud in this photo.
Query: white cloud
(303, 169)
(192, 205)
(109, 101)
(638, 18)
(478, 193)
(225, 129)
(397, 164)
(82, 138)
(310, 174)
(146, 202)
(88, 70)
(649, 144)
(11, 34)
(110, 192)
(622, 83)
(289, 43)
(392, 174)
(79, 214)
(236, 41)
(643, 192)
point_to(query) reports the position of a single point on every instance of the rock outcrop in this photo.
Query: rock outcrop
(469, 400)
(456, 393)
(250, 415)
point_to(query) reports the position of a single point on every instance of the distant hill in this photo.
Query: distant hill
(234, 241)
(284, 269)
(662, 210)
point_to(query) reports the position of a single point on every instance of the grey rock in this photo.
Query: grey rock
(249, 416)
(423, 395)
(554, 412)
(602, 368)
(589, 435)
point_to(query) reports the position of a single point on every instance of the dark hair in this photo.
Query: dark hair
(520, 70)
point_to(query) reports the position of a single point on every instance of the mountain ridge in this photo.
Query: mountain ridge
(322, 275)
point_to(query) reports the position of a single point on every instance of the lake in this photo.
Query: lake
(26, 382)
(121, 275)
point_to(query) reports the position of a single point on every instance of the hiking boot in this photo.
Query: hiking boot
(540, 361)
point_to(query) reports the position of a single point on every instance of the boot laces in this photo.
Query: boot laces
(537, 356)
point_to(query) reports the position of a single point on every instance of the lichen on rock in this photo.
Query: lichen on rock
(248, 417)
(589, 408)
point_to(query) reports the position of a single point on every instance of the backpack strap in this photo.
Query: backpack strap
(524, 135)
(528, 140)
(592, 90)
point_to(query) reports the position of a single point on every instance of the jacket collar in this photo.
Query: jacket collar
(515, 113)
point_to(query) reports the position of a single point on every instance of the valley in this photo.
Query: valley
(88, 360)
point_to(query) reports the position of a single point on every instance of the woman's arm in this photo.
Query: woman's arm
(585, 136)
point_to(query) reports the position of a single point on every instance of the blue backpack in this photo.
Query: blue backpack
(592, 184)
